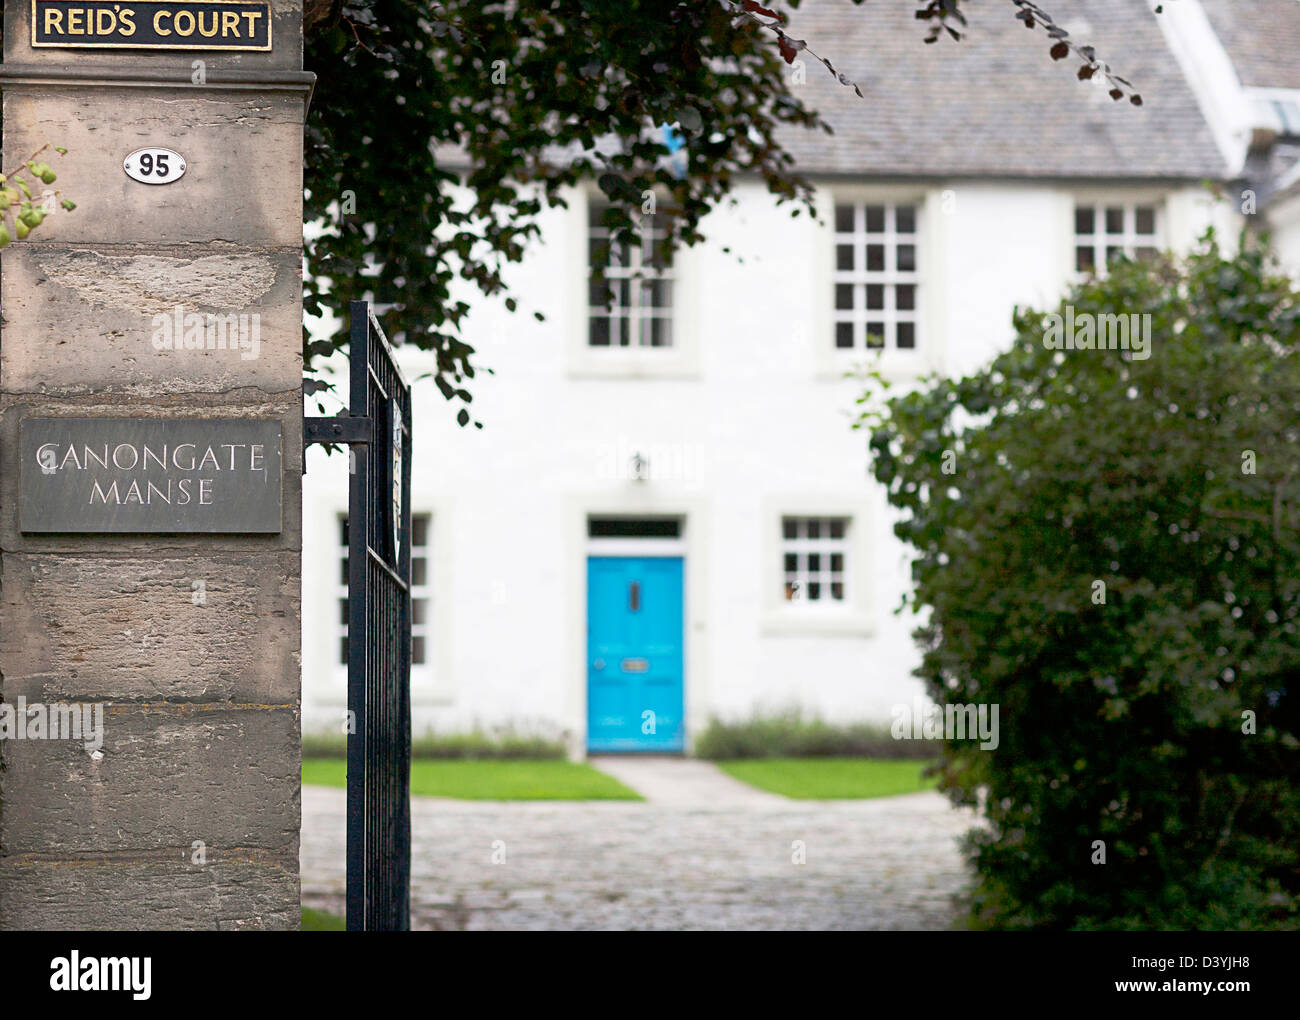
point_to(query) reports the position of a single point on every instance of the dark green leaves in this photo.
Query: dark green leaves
(415, 98)
(520, 102)
(1175, 481)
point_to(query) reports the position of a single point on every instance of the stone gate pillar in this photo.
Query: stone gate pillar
(150, 467)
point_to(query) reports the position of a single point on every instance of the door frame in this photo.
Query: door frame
(636, 499)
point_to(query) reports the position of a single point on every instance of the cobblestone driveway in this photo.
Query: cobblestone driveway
(887, 863)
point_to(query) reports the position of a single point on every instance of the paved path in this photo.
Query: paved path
(886, 863)
(683, 782)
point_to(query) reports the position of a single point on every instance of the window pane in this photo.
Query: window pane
(418, 572)
(905, 297)
(875, 334)
(1085, 218)
(876, 257)
(598, 333)
(1146, 219)
(1145, 253)
(343, 574)
(657, 293)
(343, 612)
(343, 650)
(343, 532)
(843, 334)
(657, 261)
(1115, 219)
(875, 219)
(621, 334)
(906, 335)
(1083, 260)
(1113, 252)
(906, 258)
(660, 332)
(844, 219)
(905, 219)
(875, 295)
(844, 256)
(843, 296)
(420, 529)
(419, 611)
(817, 574)
(634, 527)
(417, 650)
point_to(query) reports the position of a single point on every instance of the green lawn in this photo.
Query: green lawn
(318, 920)
(488, 780)
(830, 778)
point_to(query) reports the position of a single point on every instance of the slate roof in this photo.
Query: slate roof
(1262, 38)
(995, 104)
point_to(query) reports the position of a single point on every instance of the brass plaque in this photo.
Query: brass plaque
(152, 24)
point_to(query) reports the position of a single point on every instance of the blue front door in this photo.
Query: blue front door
(634, 654)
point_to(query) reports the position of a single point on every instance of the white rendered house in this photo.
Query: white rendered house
(667, 516)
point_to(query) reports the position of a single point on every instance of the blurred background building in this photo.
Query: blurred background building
(667, 516)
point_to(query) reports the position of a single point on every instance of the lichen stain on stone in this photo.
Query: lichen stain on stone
(149, 284)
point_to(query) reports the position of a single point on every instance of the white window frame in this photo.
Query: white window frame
(422, 674)
(424, 592)
(824, 546)
(850, 617)
(342, 552)
(1128, 239)
(831, 362)
(636, 276)
(889, 278)
(679, 361)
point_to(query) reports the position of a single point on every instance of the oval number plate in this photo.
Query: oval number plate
(154, 165)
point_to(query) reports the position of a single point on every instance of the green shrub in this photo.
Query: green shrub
(1127, 722)
(503, 743)
(790, 735)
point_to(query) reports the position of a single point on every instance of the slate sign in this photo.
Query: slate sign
(152, 24)
(150, 475)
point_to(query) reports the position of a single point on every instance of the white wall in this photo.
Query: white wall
(752, 420)
(1284, 223)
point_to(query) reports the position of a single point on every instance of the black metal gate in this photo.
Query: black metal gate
(378, 430)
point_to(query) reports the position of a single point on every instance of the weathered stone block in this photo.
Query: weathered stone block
(204, 628)
(200, 739)
(80, 320)
(160, 893)
(167, 775)
(243, 151)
